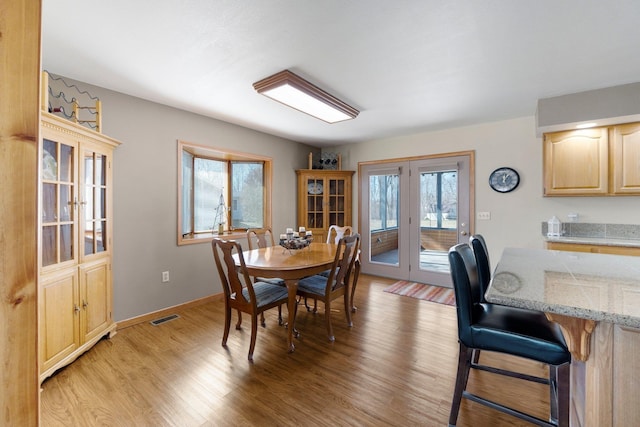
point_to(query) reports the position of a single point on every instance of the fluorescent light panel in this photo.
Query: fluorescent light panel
(295, 92)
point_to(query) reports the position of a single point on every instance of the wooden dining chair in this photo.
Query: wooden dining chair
(240, 292)
(326, 289)
(334, 234)
(263, 238)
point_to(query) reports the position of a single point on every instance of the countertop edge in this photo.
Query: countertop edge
(600, 241)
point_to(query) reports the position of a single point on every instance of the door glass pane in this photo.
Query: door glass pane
(384, 197)
(438, 213)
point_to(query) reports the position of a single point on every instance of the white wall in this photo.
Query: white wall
(145, 198)
(515, 217)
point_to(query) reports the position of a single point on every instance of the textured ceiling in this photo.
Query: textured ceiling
(408, 66)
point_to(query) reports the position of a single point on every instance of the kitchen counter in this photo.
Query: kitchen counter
(590, 286)
(595, 299)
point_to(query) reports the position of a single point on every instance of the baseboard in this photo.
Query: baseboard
(169, 310)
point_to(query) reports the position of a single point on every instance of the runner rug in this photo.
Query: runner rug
(437, 294)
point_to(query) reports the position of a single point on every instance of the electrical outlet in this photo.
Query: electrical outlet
(165, 276)
(484, 215)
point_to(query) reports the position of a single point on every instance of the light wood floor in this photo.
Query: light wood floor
(395, 367)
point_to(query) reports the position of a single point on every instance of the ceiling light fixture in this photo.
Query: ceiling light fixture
(295, 92)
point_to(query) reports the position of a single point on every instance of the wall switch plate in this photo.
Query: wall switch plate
(165, 276)
(484, 215)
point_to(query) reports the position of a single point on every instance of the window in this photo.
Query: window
(220, 190)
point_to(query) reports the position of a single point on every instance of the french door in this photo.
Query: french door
(412, 212)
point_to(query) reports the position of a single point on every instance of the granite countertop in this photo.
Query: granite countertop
(591, 286)
(603, 241)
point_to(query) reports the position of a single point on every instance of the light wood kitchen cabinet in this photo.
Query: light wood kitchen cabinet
(576, 163)
(626, 158)
(592, 248)
(75, 234)
(324, 199)
(593, 162)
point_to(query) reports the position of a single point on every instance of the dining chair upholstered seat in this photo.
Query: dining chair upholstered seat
(240, 292)
(508, 330)
(263, 238)
(337, 284)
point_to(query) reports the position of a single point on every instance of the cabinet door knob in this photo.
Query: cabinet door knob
(84, 304)
(76, 308)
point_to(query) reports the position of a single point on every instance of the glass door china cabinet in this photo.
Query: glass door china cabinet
(75, 232)
(324, 199)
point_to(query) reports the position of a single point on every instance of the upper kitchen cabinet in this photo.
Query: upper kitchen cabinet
(576, 163)
(626, 159)
(593, 162)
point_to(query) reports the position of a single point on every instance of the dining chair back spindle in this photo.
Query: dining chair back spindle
(240, 292)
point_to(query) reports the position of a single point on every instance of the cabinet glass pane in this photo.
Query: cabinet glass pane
(66, 206)
(100, 162)
(49, 245)
(66, 242)
(336, 187)
(88, 168)
(49, 160)
(101, 231)
(100, 208)
(49, 202)
(66, 163)
(88, 238)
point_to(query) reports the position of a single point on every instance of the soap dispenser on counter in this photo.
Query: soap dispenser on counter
(554, 227)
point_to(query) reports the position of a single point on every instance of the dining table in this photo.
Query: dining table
(290, 265)
(595, 299)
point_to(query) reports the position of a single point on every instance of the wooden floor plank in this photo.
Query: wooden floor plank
(395, 367)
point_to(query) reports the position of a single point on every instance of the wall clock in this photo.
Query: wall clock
(504, 180)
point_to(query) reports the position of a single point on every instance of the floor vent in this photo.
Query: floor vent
(162, 320)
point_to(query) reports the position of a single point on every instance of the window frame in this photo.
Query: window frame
(226, 155)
